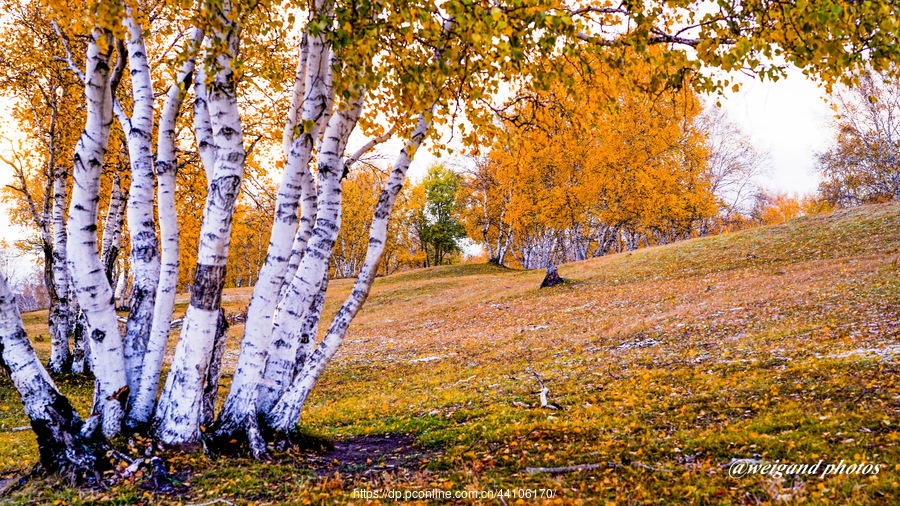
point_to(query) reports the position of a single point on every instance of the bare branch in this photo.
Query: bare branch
(68, 59)
(352, 159)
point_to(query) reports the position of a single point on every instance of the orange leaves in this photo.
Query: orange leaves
(588, 163)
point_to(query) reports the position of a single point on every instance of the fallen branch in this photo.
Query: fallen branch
(214, 501)
(566, 469)
(470, 378)
(544, 391)
(588, 467)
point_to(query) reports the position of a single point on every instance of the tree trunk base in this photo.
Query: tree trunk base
(242, 436)
(299, 439)
(552, 278)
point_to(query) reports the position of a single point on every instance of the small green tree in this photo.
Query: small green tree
(438, 224)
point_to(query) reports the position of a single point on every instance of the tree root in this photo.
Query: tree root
(12, 484)
(243, 436)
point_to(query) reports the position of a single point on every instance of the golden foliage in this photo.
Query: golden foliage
(591, 161)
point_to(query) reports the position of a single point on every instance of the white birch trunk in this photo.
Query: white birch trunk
(292, 309)
(203, 130)
(112, 228)
(80, 350)
(144, 399)
(286, 412)
(59, 345)
(140, 212)
(309, 329)
(88, 278)
(60, 355)
(311, 91)
(211, 387)
(54, 421)
(178, 412)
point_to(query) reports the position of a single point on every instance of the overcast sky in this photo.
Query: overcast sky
(791, 121)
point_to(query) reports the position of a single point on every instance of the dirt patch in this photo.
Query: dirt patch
(359, 455)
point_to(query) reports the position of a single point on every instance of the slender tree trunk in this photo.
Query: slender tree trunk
(60, 355)
(291, 311)
(203, 129)
(144, 399)
(141, 220)
(112, 228)
(88, 277)
(178, 412)
(312, 87)
(211, 389)
(286, 412)
(310, 329)
(44, 221)
(57, 426)
(61, 323)
(78, 324)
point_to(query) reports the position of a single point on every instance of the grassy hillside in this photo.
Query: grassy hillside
(778, 344)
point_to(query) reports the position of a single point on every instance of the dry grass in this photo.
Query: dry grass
(779, 344)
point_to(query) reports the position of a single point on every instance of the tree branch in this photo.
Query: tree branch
(68, 59)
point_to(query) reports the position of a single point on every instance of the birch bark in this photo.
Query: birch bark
(203, 130)
(312, 89)
(286, 412)
(80, 347)
(306, 283)
(144, 399)
(112, 228)
(88, 278)
(43, 217)
(53, 420)
(178, 411)
(61, 324)
(140, 213)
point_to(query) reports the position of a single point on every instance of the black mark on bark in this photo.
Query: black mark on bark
(207, 290)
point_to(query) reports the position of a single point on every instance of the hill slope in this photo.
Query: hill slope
(775, 344)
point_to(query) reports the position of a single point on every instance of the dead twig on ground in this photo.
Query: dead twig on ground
(588, 467)
(544, 391)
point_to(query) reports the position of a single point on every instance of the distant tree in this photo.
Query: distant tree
(439, 227)
(576, 175)
(401, 249)
(733, 171)
(863, 165)
(774, 208)
(486, 205)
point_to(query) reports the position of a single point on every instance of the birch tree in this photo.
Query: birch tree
(144, 257)
(863, 163)
(178, 412)
(57, 426)
(88, 275)
(45, 102)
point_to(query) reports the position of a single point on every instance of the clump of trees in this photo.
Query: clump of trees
(437, 222)
(863, 165)
(608, 164)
